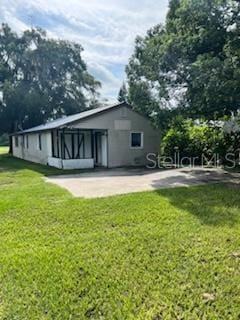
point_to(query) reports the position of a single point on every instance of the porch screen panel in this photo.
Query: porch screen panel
(79, 143)
(73, 145)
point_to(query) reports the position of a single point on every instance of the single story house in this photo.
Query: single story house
(111, 136)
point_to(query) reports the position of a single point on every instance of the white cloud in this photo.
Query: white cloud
(109, 81)
(106, 29)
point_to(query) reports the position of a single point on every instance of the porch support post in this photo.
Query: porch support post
(73, 151)
(92, 143)
(57, 135)
(62, 143)
(78, 143)
(83, 145)
(52, 138)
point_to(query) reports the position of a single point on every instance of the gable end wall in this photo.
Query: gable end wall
(119, 151)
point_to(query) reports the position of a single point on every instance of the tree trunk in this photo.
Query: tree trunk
(10, 145)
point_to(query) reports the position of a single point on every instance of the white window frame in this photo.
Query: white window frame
(142, 140)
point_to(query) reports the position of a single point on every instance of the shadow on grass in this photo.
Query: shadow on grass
(195, 176)
(9, 163)
(216, 205)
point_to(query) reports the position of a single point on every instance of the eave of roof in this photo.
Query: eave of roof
(62, 122)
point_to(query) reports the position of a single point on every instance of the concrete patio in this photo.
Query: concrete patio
(102, 183)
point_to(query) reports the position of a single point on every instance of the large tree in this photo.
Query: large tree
(122, 95)
(192, 62)
(40, 79)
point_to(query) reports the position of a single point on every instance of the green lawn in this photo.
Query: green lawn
(142, 256)
(3, 150)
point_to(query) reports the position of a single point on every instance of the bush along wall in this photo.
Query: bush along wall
(198, 142)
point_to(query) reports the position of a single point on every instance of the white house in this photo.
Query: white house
(111, 136)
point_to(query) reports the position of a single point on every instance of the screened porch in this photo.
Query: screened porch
(78, 148)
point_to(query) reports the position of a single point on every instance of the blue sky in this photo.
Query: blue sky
(106, 29)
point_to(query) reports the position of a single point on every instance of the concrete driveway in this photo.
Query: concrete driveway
(111, 182)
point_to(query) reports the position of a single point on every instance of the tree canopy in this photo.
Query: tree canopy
(191, 64)
(41, 78)
(122, 95)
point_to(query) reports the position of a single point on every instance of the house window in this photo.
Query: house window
(27, 141)
(16, 141)
(40, 142)
(136, 140)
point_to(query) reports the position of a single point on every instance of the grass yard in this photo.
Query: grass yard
(3, 150)
(171, 254)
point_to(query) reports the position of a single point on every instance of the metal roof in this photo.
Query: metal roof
(62, 122)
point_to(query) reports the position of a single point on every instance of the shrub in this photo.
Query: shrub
(191, 140)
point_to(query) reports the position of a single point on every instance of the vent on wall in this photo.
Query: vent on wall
(122, 125)
(123, 112)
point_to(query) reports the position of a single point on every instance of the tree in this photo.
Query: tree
(41, 79)
(190, 64)
(122, 95)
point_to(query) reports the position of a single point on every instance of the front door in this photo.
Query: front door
(100, 149)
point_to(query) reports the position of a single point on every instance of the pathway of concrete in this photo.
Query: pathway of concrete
(111, 182)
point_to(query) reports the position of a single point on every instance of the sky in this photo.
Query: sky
(105, 28)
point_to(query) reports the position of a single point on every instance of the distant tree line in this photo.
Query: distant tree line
(41, 79)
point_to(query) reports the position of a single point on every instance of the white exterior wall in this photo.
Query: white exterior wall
(33, 153)
(78, 164)
(71, 164)
(55, 162)
(44, 156)
(120, 122)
